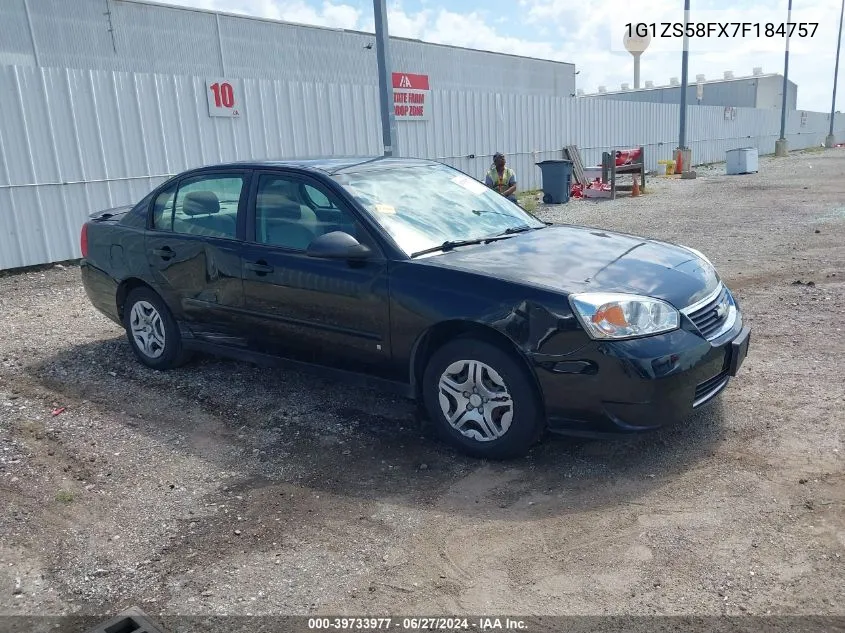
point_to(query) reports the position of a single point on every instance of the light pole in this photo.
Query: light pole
(682, 152)
(781, 146)
(830, 141)
(388, 117)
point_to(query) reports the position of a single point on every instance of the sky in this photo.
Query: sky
(590, 35)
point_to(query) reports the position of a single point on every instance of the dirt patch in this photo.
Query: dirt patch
(222, 487)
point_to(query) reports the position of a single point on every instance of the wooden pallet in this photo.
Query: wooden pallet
(572, 154)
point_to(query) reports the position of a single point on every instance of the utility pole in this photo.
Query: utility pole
(385, 83)
(830, 141)
(683, 152)
(781, 147)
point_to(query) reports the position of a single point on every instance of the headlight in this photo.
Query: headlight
(615, 316)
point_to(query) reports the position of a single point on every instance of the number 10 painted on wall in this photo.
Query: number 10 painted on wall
(224, 94)
(221, 98)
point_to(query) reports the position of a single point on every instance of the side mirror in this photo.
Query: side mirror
(338, 245)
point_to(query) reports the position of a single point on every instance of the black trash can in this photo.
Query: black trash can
(557, 180)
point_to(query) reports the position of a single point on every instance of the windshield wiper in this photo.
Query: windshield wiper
(518, 229)
(448, 245)
(507, 215)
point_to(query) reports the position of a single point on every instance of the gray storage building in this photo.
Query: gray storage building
(758, 90)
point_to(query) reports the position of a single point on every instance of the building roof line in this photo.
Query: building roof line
(690, 84)
(244, 16)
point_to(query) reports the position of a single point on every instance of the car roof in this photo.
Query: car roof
(329, 165)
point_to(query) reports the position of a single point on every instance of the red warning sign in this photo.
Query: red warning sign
(411, 97)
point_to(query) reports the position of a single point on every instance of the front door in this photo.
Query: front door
(195, 255)
(318, 310)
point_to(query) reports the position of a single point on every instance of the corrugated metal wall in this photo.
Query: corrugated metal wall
(748, 92)
(740, 94)
(76, 141)
(129, 36)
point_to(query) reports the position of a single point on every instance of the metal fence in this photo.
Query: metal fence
(76, 141)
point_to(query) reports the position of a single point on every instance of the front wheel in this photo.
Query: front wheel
(152, 331)
(482, 400)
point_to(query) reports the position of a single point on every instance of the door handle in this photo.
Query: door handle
(259, 267)
(164, 253)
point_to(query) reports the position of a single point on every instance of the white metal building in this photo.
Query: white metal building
(145, 37)
(758, 90)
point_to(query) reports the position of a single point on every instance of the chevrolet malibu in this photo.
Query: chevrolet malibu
(412, 276)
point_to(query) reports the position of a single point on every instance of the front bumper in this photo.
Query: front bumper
(621, 387)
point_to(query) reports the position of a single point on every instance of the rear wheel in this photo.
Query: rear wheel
(152, 331)
(481, 400)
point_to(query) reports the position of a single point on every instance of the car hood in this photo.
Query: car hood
(578, 259)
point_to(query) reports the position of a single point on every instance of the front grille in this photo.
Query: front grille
(707, 318)
(710, 387)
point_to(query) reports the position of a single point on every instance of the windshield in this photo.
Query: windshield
(424, 206)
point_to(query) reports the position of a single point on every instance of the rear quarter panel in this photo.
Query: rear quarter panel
(115, 253)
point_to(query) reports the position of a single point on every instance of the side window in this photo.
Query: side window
(317, 198)
(283, 219)
(163, 210)
(206, 205)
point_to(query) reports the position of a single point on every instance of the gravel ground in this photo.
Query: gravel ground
(224, 488)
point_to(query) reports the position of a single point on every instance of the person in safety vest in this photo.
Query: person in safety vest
(501, 178)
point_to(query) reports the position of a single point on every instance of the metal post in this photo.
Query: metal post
(830, 141)
(385, 85)
(682, 134)
(220, 45)
(781, 145)
(31, 34)
(637, 72)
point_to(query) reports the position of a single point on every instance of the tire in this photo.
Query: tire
(488, 430)
(547, 198)
(156, 341)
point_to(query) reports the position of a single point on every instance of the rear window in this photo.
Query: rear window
(137, 217)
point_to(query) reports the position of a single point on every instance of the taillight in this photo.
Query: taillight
(83, 240)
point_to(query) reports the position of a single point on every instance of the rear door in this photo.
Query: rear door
(194, 251)
(319, 310)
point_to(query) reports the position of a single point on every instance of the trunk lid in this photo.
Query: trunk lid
(113, 214)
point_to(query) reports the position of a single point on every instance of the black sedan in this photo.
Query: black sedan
(410, 275)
